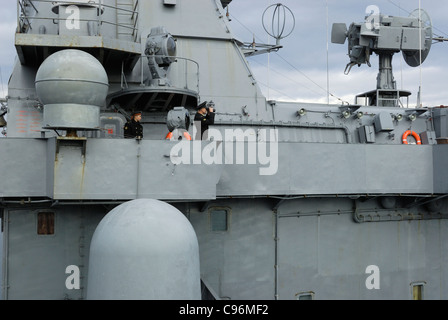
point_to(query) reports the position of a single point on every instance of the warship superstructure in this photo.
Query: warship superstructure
(284, 200)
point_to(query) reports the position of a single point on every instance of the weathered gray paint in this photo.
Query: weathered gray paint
(44, 258)
(347, 193)
(110, 168)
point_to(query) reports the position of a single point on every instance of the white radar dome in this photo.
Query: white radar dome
(144, 249)
(72, 85)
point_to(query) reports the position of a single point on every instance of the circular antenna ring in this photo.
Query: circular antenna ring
(278, 21)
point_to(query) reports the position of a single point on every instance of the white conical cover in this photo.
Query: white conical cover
(144, 249)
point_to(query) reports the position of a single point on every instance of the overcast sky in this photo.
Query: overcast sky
(298, 72)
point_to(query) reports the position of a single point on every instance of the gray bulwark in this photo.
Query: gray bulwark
(305, 168)
(23, 166)
(126, 169)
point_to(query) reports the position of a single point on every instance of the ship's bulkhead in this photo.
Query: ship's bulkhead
(252, 248)
(50, 244)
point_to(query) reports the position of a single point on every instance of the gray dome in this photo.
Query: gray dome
(72, 85)
(72, 76)
(144, 249)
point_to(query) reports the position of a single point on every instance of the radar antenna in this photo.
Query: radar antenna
(386, 35)
(278, 29)
(414, 58)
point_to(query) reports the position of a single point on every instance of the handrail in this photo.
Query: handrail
(20, 3)
(175, 58)
(133, 15)
(396, 99)
(135, 20)
(134, 9)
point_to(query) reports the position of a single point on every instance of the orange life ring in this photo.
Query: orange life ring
(187, 136)
(170, 135)
(414, 134)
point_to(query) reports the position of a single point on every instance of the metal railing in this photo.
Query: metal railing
(394, 98)
(27, 11)
(187, 73)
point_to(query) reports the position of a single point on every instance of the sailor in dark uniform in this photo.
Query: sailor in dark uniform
(203, 118)
(133, 128)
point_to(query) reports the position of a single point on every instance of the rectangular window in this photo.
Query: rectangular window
(45, 223)
(219, 220)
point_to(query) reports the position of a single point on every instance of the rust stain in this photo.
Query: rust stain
(83, 168)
